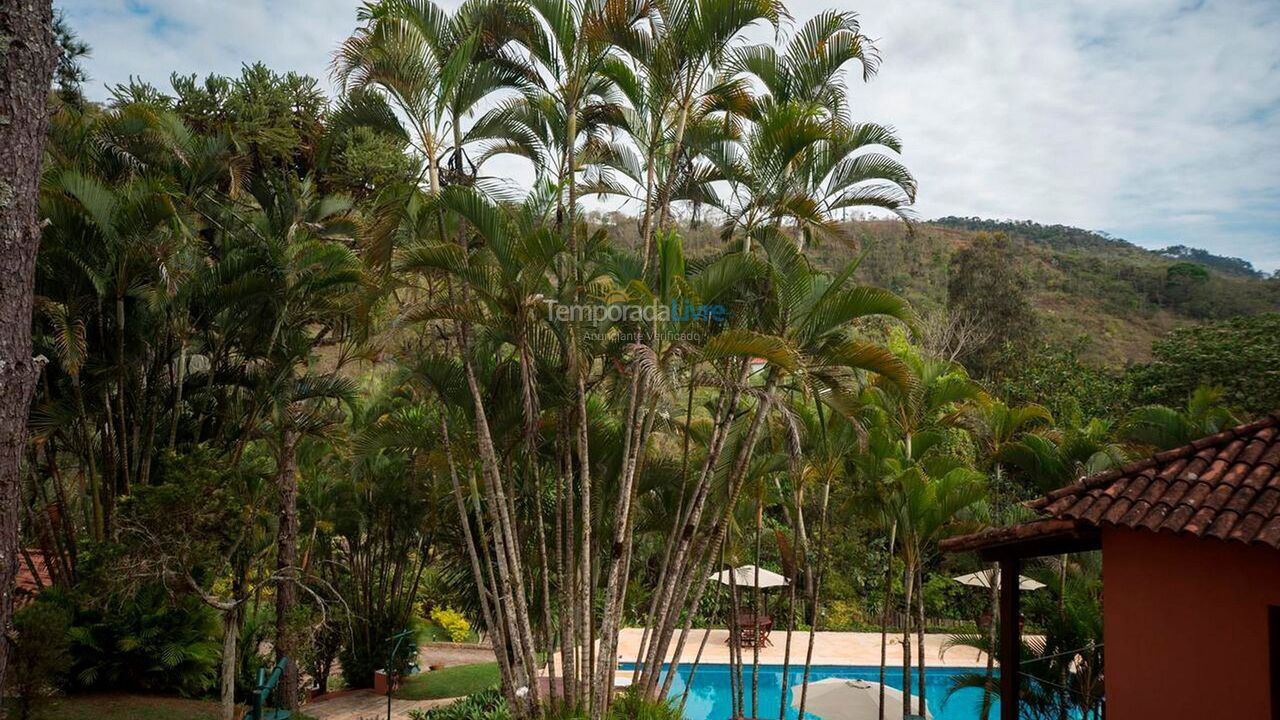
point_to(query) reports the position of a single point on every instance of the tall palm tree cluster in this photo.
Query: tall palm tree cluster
(310, 356)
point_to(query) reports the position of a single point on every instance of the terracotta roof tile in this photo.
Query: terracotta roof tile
(1222, 524)
(1117, 510)
(1135, 514)
(1267, 502)
(1177, 519)
(1246, 528)
(1096, 511)
(1270, 532)
(1225, 486)
(1241, 500)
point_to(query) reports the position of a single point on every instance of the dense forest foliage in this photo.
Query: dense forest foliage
(314, 380)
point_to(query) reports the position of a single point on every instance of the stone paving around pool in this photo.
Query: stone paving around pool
(829, 648)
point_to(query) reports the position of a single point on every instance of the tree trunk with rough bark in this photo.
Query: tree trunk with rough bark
(230, 633)
(287, 564)
(27, 58)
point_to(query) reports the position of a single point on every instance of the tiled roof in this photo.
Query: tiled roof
(1224, 486)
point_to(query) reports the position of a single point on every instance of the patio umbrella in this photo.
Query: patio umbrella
(745, 576)
(845, 699)
(983, 580)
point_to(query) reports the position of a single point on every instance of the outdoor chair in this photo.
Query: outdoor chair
(266, 685)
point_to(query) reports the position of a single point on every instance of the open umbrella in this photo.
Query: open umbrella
(982, 579)
(845, 699)
(745, 576)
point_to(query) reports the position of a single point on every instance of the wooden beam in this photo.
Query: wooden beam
(1010, 637)
(1044, 547)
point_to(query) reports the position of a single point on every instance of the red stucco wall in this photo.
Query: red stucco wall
(1186, 627)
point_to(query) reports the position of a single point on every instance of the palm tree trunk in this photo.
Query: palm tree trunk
(121, 384)
(691, 557)
(991, 640)
(511, 578)
(669, 545)
(920, 660)
(616, 581)
(816, 597)
(569, 611)
(755, 646)
(908, 575)
(884, 613)
(177, 395)
(287, 565)
(477, 573)
(529, 397)
(664, 622)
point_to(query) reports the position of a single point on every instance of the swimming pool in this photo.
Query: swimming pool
(709, 699)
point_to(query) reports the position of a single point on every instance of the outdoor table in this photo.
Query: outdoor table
(752, 629)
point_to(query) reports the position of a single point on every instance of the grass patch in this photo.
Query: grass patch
(449, 682)
(112, 706)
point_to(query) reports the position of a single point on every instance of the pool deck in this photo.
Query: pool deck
(829, 648)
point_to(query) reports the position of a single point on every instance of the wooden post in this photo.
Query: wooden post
(1010, 637)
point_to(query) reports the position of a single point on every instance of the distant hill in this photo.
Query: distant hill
(1110, 295)
(1115, 296)
(1072, 239)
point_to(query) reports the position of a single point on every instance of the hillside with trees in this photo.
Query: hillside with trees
(1109, 298)
(307, 396)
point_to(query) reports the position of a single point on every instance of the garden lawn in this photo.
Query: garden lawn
(449, 682)
(111, 706)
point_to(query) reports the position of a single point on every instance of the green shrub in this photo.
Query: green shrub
(484, 705)
(148, 642)
(40, 656)
(632, 705)
(844, 614)
(453, 622)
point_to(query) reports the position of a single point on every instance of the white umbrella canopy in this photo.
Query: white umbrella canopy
(745, 576)
(845, 699)
(983, 578)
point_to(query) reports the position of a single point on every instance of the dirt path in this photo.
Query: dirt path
(451, 655)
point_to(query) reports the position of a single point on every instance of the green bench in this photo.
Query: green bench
(260, 694)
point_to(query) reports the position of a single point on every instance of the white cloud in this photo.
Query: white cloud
(1155, 120)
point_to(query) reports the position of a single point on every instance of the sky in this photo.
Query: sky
(1157, 121)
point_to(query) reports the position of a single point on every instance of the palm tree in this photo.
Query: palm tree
(926, 500)
(682, 69)
(1161, 428)
(302, 294)
(416, 72)
(807, 330)
(995, 425)
(801, 159)
(1053, 457)
(1064, 665)
(915, 419)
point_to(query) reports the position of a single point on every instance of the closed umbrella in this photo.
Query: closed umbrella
(983, 580)
(745, 576)
(845, 699)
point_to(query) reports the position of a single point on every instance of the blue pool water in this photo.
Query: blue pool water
(710, 697)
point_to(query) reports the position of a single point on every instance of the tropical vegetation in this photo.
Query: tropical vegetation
(315, 377)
